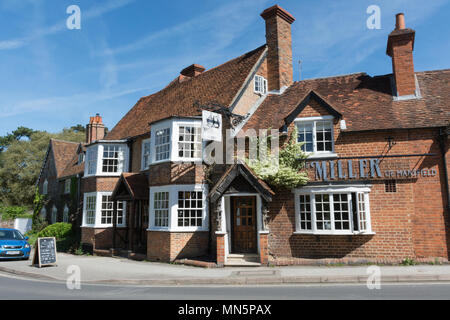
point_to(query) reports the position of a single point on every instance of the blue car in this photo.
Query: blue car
(13, 245)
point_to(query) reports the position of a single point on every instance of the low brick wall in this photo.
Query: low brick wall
(102, 238)
(169, 246)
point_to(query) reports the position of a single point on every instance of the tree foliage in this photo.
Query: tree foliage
(21, 162)
(284, 171)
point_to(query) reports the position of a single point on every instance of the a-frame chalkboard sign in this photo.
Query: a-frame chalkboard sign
(45, 252)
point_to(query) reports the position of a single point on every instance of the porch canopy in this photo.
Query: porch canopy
(130, 187)
(238, 177)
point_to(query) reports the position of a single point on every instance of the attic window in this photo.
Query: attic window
(317, 134)
(260, 85)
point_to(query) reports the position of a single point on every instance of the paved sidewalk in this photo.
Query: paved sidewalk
(123, 271)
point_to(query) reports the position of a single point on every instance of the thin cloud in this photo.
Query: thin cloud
(93, 12)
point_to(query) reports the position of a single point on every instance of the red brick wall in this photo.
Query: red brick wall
(102, 238)
(169, 246)
(174, 173)
(413, 222)
(98, 184)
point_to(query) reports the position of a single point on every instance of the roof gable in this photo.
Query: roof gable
(240, 169)
(306, 101)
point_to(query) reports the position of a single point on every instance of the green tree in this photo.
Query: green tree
(21, 162)
(17, 134)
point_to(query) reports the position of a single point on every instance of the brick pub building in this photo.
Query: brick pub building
(378, 164)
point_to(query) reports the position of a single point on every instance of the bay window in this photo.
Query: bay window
(106, 159)
(178, 208)
(162, 144)
(189, 142)
(317, 135)
(176, 140)
(99, 210)
(332, 210)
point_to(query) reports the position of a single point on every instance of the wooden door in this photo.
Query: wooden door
(244, 225)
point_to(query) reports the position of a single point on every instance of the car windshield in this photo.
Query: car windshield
(10, 235)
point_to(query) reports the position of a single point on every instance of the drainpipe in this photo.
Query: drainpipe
(442, 137)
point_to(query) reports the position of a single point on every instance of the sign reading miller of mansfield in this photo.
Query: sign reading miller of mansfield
(211, 126)
(45, 252)
(364, 169)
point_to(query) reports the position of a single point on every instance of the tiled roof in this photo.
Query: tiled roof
(365, 102)
(73, 168)
(220, 84)
(63, 153)
(135, 183)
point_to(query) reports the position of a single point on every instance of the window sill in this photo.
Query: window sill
(106, 226)
(330, 155)
(178, 230)
(335, 233)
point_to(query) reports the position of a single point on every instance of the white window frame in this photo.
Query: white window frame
(360, 191)
(94, 159)
(173, 208)
(175, 137)
(174, 126)
(260, 81)
(67, 184)
(313, 122)
(144, 155)
(45, 187)
(98, 211)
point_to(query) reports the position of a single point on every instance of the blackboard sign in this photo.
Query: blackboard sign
(45, 252)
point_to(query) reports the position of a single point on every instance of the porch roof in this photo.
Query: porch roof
(131, 186)
(240, 169)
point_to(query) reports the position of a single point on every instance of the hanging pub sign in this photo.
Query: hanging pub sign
(211, 126)
(45, 252)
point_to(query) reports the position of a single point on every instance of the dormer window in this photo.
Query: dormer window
(260, 85)
(317, 135)
(80, 157)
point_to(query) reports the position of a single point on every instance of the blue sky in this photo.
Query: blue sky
(52, 77)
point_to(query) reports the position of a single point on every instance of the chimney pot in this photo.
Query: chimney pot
(95, 130)
(400, 21)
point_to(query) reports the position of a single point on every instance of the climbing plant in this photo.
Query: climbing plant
(285, 171)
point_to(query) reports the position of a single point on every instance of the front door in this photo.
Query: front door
(244, 225)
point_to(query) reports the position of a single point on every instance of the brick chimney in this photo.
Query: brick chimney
(400, 48)
(95, 130)
(279, 43)
(192, 71)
